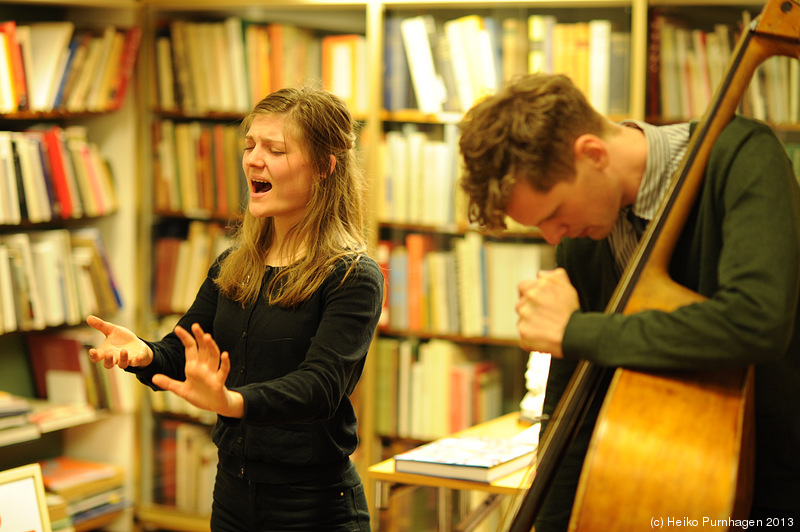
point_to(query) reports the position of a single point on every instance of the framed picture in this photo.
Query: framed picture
(22, 502)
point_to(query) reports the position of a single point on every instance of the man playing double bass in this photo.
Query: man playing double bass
(539, 153)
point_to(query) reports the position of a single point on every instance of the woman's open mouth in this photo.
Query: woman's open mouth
(259, 187)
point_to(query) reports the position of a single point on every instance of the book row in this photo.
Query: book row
(54, 277)
(466, 288)
(450, 64)
(198, 169)
(686, 65)
(182, 262)
(419, 176)
(63, 373)
(69, 396)
(429, 389)
(54, 66)
(229, 65)
(53, 173)
(185, 466)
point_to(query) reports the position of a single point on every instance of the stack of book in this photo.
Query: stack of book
(60, 520)
(15, 427)
(91, 490)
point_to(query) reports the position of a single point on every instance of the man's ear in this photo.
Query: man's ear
(591, 149)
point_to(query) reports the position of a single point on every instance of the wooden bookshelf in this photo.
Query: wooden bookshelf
(369, 18)
(101, 435)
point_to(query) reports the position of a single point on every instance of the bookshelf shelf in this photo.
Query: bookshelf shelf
(194, 5)
(460, 229)
(169, 518)
(457, 338)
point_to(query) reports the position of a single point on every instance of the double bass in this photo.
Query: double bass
(670, 444)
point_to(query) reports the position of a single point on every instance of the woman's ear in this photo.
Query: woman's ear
(332, 166)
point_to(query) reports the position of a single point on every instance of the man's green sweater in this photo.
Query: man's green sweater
(741, 249)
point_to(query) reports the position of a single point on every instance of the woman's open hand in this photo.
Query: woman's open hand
(120, 348)
(206, 371)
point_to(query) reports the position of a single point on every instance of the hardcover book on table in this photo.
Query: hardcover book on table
(478, 458)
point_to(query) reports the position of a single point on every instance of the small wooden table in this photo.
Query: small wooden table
(387, 478)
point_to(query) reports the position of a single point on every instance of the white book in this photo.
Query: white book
(8, 100)
(50, 273)
(501, 288)
(104, 181)
(77, 99)
(404, 392)
(9, 312)
(9, 196)
(42, 192)
(198, 264)
(417, 187)
(397, 180)
(78, 148)
(470, 276)
(186, 164)
(27, 178)
(204, 52)
(196, 63)
(82, 257)
(168, 158)
(479, 48)
(669, 74)
(599, 63)
(420, 406)
(93, 96)
(30, 307)
(189, 441)
(222, 70)
(237, 62)
(435, 267)
(428, 87)
(166, 80)
(48, 40)
(60, 241)
(438, 184)
(180, 286)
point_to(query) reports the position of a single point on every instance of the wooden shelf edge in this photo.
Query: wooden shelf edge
(170, 518)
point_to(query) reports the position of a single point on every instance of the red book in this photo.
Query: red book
(17, 66)
(383, 252)
(130, 50)
(221, 209)
(73, 478)
(49, 352)
(166, 255)
(205, 169)
(55, 153)
(417, 246)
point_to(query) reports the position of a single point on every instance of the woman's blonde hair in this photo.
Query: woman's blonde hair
(333, 226)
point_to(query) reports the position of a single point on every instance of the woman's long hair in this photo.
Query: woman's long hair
(333, 226)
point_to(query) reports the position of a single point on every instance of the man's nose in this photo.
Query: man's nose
(552, 233)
